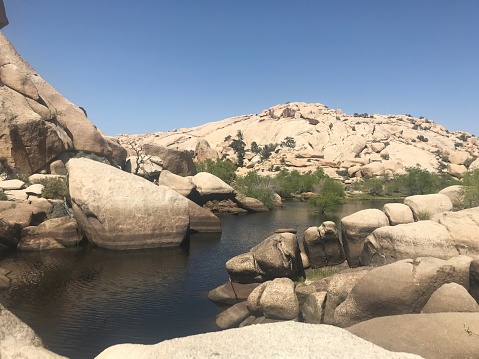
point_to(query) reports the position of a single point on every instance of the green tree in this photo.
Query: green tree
(221, 168)
(329, 196)
(255, 148)
(238, 145)
(288, 142)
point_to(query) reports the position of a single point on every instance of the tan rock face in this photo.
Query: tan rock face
(426, 206)
(398, 213)
(326, 138)
(418, 239)
(356, 227)
(121, 211)
(38, 124)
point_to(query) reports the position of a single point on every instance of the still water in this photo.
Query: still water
(82, 300)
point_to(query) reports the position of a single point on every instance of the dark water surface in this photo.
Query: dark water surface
(82, 300)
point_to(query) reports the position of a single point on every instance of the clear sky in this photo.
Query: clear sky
(155, 65)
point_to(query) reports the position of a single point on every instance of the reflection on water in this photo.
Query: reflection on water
(82, 300)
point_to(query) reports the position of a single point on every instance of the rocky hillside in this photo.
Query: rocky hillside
(343, 144)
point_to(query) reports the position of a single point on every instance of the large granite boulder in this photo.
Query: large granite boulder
(313, 308)
(427, 205)
(398, 213)
(53, 233)
(18, 340)
(434, 336)
(463, 227)
(209, 187)
(450, 297)
(424, 238)
(401, 287)
(203, 151)
(231, 293)
(233, 316)
(177, 162)
(276, 256)
(455, 194)
(12, 222)
(202, 220)
(356, 227)
(250, 204)
(278, 340)
(274, 299)
(118, 152)
(182, 185)
(323, 246)
(338, 288)
(38, 123)
(118, 210)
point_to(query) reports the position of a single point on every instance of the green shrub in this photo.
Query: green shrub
(54, 188)
(223, 169)
(329, 194)
(422, 138)
(471, 189)
(292, 182)
(260, 187)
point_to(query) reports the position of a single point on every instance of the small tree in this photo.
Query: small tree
(221, 168)
(288, 142)
(255, 148)
(238, 145)
(329, 196)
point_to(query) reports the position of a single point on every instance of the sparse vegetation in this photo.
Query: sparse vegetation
(422, 138)
(3, 196)
(423, 215)
(288, 142)
(416, 181)
(260, 187)
(223, 169)
(329, 195)
(54, 188)
(471, 189)
(316, 274)
(238, 145)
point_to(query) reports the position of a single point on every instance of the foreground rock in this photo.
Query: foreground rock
(18, 340)
(463, 226)
(403, 287)
(119, 210)
(427, 205)
(356, 227)
(450, 297)
(277, 256)
(278, 340)
(418, 239)
(323, 246)
(433, 336)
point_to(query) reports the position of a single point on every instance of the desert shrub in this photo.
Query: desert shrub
(288, 142)
(422, 138)
(423, 215)
(267, 150)
(329, 194)
(471, 189)
(255, 148)
(223, 169)
(3, 196)
(54, 188)
(260, 187)
(292, 182)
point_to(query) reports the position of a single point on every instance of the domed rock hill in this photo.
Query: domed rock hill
(312, 135)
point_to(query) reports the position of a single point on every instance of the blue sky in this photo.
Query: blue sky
(156, 65)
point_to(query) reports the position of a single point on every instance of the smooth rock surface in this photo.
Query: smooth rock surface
(356, 227)
(433, 336)
(419, 239)
(450, 297)
(18, 340)
(427, 205)
(398, 213)
(278, 340)
(123, 211)
(403, 287)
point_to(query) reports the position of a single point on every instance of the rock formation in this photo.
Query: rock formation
(37, 123)
(120, 211)
(359, 144)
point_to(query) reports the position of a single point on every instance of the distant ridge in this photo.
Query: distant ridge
(345, 145)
